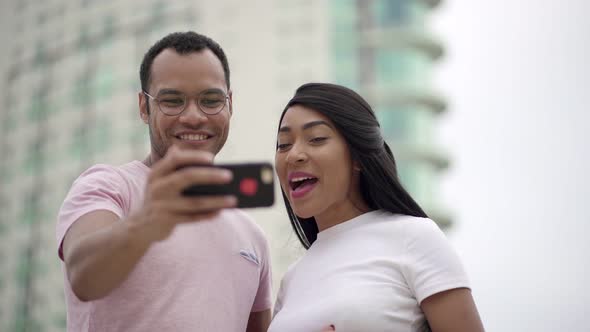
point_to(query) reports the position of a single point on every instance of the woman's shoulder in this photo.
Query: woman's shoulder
(407, 222)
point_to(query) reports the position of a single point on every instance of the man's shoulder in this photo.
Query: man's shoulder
(114, 172)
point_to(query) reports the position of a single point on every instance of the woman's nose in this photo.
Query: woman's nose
(296, 155)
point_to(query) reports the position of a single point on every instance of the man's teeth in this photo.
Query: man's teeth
(193, 137)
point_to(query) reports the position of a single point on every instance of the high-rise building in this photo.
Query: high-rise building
(383, 50)
(69, 99)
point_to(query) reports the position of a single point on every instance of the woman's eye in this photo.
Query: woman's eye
(283, 146)
(318, 139)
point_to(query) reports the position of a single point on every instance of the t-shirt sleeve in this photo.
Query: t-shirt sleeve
(101, 187)
(263, 299)
(431, 265)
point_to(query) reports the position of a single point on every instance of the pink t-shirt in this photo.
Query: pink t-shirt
(207, 276)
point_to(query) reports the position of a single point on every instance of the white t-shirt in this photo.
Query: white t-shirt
(368, 274)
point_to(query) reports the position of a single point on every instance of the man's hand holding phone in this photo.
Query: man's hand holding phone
(100, 252)
(164, 204)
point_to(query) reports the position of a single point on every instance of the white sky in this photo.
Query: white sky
(517, 75)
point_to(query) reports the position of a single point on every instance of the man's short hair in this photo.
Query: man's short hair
(182, 43)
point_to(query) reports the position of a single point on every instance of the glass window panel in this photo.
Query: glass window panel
(396, 124)
(392, 12)
(392, 66)
(102, 135)
(104, 82)
(82, 92)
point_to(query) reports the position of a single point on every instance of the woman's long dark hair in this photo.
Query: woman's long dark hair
(355, 120)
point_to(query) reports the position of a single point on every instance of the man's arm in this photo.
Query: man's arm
(100, 250)
(259, 321)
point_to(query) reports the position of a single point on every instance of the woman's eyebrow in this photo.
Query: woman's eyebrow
(306, 126)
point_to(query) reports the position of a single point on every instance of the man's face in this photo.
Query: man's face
(189, 74)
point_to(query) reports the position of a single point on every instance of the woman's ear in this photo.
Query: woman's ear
(356, 166)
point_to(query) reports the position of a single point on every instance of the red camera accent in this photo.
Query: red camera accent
(249, 186)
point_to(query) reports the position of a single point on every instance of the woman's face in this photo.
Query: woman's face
(314, 166)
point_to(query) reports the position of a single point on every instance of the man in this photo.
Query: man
(139, 256)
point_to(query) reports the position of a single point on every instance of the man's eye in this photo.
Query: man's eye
(210, 102)
(172, 102)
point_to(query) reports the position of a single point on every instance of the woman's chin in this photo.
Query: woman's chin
(302, 213)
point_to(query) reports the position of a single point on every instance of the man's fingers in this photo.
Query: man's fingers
(202, 208)
(176, 158)
(189, 209)
(201, 216)
(174, 184)
(199, 176)
(201, 204)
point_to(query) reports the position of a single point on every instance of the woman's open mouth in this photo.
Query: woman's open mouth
(301, 184)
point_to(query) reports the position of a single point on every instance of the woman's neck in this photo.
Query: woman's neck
(337, 215)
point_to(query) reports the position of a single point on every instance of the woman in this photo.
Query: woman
(375, 262)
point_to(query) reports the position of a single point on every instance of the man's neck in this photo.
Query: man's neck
(148, 161)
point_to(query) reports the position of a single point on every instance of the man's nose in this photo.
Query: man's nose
(192, 114)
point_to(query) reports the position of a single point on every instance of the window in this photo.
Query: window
(42, 18)
(411, 125)
(101, 139)
(79, 147)
(159, 17)
(345, 48)
(38, 107)
(85, 3)
(104, 82)
(407, 174)
(34, 160)
(109, 29)
(392, 12)
(8, 152)
(345, 68)
(82, 93)
(40, 54)
(396, 124)
(14, 72)
(9, 120)
(391, 66)
(6, 176)
(84, 39)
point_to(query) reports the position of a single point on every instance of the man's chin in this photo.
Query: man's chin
(195, 145)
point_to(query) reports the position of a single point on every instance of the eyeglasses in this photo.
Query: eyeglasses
(172, 102)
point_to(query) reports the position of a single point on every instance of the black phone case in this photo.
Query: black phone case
(249, 184)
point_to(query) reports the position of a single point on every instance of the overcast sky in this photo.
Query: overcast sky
(517, 75)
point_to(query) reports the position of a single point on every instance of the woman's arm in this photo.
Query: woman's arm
(452, 311)
(259, 321)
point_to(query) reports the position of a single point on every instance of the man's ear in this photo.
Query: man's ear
(231, 103)
(143, 108)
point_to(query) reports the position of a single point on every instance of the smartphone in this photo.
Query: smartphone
(252, 184)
